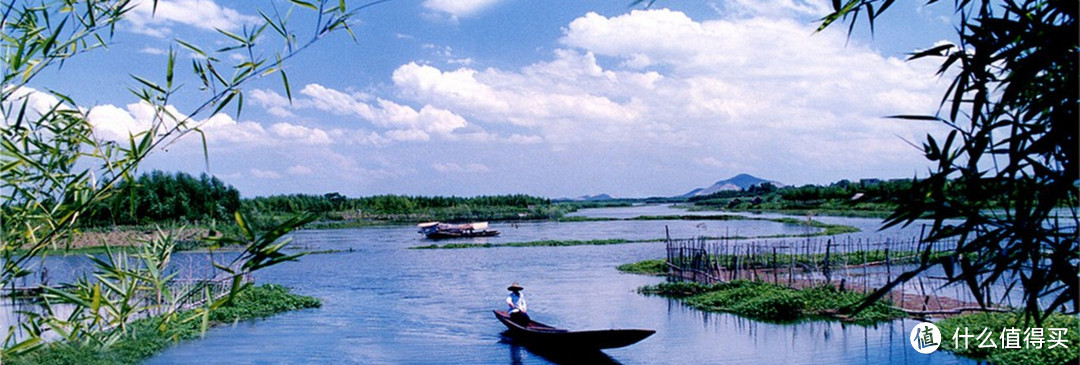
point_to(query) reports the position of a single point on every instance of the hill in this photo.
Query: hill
(738, 182)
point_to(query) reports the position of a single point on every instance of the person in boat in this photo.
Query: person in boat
(516, 301)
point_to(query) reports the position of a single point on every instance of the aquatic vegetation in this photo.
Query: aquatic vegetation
(647, 267)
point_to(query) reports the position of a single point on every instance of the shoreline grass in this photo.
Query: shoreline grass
(145, 339)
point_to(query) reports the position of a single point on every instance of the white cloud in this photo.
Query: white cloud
(116, 124)
(154, 51)
(276, 104)
(265, 174)
(459, 8)
(335, 101)
(455, 167)
(299, 134)
(201, 14)
(300, 170)
(777, 8)
(37, 103)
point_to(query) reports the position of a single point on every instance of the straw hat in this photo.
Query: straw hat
(515, 287)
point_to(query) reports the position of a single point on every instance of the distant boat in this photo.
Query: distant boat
(539, 334)
(437, 230)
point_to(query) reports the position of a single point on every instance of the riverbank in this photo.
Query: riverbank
(144, 338)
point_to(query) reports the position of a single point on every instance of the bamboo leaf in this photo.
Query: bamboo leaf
(223, 103)
(148, 83)
(288, 90)
(192, 48)
(169, 68)
(305, 4)
(233, 36)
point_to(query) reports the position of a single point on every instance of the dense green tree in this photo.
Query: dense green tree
(160, 197)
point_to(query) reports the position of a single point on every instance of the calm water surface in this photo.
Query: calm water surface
(384, 303)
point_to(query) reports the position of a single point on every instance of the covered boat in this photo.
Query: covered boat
(536, 333)
(438, 230)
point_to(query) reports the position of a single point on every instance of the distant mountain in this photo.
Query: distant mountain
(592, 198)
(739, 182)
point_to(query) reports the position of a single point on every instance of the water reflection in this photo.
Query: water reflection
(750, 341)
(519, 354)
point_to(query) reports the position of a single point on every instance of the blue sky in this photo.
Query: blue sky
(550, 98)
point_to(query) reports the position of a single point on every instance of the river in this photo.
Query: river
(386, 304)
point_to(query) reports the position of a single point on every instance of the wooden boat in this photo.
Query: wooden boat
(437, 230)
(536, 333)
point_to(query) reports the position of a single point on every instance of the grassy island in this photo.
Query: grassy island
(773, 303)
(144, 339)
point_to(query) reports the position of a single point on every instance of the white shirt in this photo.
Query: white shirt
(516, 301)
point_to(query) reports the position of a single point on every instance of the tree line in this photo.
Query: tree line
(382, 204)
(867, 190)
(160, 197)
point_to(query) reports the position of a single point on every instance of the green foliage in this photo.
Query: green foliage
(996, 322)
(147, 338)
(647, 267)
(770, 302)
(1007, 171)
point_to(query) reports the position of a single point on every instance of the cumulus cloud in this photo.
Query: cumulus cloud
(398, 122)
(201, 14)
(37, 103)
(118, 123)
(459, 8)
(738, 87)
